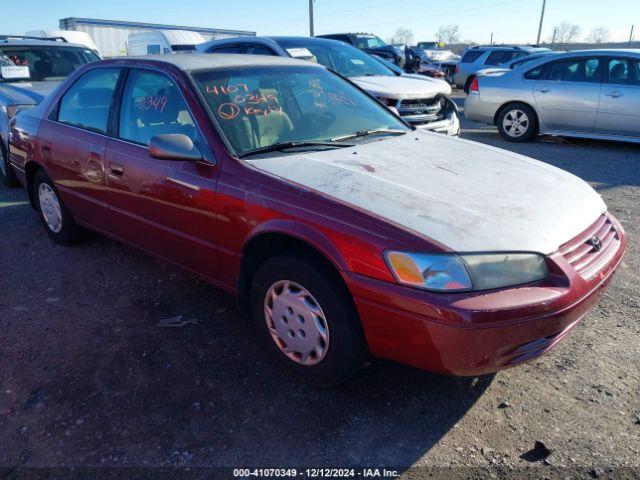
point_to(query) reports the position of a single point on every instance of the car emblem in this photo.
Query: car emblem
(596, 244)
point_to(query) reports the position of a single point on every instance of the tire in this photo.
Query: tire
(55, 217)
(523, 121)
(7, 175)
(329, 308)
(467, 85)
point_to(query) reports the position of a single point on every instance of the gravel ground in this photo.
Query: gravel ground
(89, 378)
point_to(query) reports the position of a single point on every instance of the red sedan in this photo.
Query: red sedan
(345, 233)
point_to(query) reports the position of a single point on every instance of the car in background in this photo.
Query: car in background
(587, 94)
(484, 56)
(344, 232)
(513, 64)
(155, 42)
(30, 68)
(371, 44)
(442, 60)
(420, 101)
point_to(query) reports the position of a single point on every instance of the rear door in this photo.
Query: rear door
(568, 94)
(165, 207)
(73, 142)
(619, 110)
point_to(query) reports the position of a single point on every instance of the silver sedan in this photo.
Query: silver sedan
(588, 94)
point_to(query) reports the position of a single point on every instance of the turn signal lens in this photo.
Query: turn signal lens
(441, 273)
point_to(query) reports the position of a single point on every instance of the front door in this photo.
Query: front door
(163, 206)
(619, 111)
(568, 96)
(73, 142)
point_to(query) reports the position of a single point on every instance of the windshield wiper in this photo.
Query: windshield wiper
(366, 133)
(276, 147)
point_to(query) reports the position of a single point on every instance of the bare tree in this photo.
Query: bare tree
(402, 35)
(448, 34)
(598, 35)
(566, 32)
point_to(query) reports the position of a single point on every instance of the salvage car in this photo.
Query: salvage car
(30, 68)
(371, 44)
(587, 94)
(345, 233)
(421, 101)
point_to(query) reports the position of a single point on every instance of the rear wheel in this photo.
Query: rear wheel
(55, 217)
(308, 323)
(517, 122)
(7, 175)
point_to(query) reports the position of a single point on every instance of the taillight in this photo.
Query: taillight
(457, 69)
(475, 86)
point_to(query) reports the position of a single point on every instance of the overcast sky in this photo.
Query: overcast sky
(509, 20)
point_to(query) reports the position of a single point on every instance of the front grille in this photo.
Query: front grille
(590, 251)
(430, 107)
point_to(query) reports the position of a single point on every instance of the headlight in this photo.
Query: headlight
(466, 272)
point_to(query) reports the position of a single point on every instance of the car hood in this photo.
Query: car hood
(404, 87)
(467, 196)
(26, 93)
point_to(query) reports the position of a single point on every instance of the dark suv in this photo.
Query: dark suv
(371, 44)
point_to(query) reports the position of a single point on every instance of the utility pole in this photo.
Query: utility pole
(544, 5)
(311, 18)
(631, 36)
(491, 43)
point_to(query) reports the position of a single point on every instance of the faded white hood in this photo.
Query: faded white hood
(467, 196)
(404, 87)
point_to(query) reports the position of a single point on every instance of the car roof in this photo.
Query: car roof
(36, 43)
(200, 61)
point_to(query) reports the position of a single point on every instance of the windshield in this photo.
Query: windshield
(368, 41)
(41, 63)
(258, 107)
(339, 57)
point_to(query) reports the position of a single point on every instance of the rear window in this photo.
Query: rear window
(535, 73)
(472, 56)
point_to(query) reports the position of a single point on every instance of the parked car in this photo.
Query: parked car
(30, 68)
(371, 44)
(153, 42)
(512, 65)
(343, 231)
(443, 60)
(480, 57)
(420, 101)
(588, 94)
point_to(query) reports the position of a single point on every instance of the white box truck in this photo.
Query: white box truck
(154, 42)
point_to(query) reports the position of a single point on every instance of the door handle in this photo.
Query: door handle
(544, 90)
(116, 170)
(614, 94)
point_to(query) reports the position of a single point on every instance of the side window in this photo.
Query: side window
(153, 105)
(535, 73)
(624, 71)
(153, 49)
(87, 102)
(472, 55)
(499, 57)
(226, 49)
(584, 70)
(260, 50)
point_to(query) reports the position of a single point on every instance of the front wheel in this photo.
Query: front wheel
(307, 321)
(517, 123)
(7, 175)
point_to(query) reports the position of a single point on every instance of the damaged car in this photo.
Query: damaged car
(30, 68)
(344, 233)
(421, 101)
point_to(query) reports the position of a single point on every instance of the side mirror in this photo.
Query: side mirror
(174, 146)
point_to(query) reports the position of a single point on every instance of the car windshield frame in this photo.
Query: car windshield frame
(333, 50)
(196, 77)
(9, 54)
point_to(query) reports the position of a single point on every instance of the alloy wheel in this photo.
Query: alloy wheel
(516, 123)
(296, 322)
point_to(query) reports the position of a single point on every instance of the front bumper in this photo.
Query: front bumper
(449, 125)
(479, 333)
